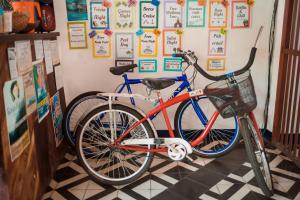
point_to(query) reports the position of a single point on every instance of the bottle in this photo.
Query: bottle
(1, 20)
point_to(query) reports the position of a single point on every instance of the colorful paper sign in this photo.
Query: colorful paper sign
(16, 119)
(29, 93)
(147, 66)
(218, 14)
(216, 64)
(76, 10)
(99, 16)
(171, 41)
(40, 90)
(57, 118)
(195, 14)
(101, 45)
(148, 44)
(216, 43)
(148, 15)
(120, 63)
(173, 14)
(240, 14)
(124, 15)
(124, 46)
(77, 35)
(173, 64)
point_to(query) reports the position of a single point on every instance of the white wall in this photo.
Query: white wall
(84, 73)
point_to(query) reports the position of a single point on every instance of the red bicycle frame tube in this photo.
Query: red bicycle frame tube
(259, 135)
(162, 107)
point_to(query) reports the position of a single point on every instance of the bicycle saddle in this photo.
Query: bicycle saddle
(122, 69)
(157, 84)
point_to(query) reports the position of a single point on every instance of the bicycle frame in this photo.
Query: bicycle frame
(162, 108)
(184, 85)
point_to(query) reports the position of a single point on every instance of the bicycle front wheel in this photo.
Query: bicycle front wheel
(257, 155)
(102, 159)
(190, 121)
(75, 110)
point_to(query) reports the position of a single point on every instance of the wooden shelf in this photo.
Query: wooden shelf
(29, 36)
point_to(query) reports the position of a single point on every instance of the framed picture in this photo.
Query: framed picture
(99, 16)
(124, 45)
(147, 65)
(216, 64)
(216, 43)
(120, 63)
(101, 45)
(195, 14)
(171, 41)
(148, 44)
(124, 15)
(76, 10)
(173, 14)
(77, 35)
(241, 15)
(218, 14)
(173, 64)
(148, 15)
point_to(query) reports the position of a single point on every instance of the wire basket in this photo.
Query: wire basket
(234, 96)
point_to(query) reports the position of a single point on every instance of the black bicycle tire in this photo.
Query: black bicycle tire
(91, 94)
(177, 133)
(246, 133)
(79, 130)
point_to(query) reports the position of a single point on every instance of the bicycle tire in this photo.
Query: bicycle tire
(212, 153)
(79, 151)
(251, 144)
(67, 130)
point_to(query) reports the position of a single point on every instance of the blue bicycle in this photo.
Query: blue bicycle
(191, 116)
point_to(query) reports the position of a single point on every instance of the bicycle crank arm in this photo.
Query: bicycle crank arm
(169, 142)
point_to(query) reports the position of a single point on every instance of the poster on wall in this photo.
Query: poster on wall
(54, 52)
(15, 109)
(76, 10)
(29, 93)
(124, 45)
(148, 44)
(101, 45)
(48, 56)
(99, 16)
(12, 62)
(216, 43)
(240, 14)
(147, 65)
(57, 118)
(77, 35)
(24, 56)
(173, 64)
(171, 41)
(148, 15)
(40, 90)
(39, 49)
(216, 64)
(217, 14)
(173, 14)
(195, 14)
(124, 15)
(59, 81)
(120, 63)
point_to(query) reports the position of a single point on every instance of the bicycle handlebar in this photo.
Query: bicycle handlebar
(191, 59)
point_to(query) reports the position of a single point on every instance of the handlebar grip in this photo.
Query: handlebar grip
(178, 55)
(249, 63)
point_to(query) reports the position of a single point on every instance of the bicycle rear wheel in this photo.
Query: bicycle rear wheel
(257, 155)
(75, 110)
(100, 157)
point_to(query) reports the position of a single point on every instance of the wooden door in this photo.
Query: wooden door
(287, 111)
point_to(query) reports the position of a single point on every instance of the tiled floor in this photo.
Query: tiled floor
(228, 177)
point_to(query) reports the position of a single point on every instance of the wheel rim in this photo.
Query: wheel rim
(222, 136)
(77, 111)
(112, 164)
